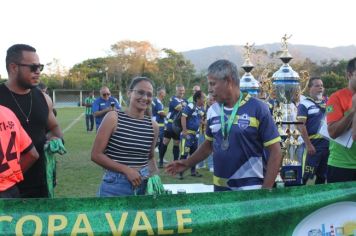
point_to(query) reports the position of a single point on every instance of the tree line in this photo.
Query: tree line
(127, 59)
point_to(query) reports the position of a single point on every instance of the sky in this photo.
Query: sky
(75, 30)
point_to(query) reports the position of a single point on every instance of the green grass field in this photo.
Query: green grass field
(77, 175)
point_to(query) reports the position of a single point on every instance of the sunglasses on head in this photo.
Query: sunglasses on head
(33, 67)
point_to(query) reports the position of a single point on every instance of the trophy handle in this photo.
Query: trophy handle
(304, 80)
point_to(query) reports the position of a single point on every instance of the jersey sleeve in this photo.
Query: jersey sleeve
(117, 105)
(188, 110)
(175, 104)
(208, 131)
(302, 112)
(267, 128)
(333, 109)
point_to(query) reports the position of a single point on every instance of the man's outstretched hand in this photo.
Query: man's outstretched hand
(176, 167)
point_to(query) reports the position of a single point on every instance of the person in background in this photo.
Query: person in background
(238, 128)
(33, 108)
(89, 117)
(14, 163)
(209, 160)
(194, 90)
(103, 105)
(311, 112)
(125, 144)
(159, 115)
(191, 119)
(339, 116)
(176, 104)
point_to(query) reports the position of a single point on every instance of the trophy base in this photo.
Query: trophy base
(292, 175)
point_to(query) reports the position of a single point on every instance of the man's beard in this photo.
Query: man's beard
(319, 96)
(23, 84)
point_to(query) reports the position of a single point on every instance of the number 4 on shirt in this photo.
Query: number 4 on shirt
(8, 155)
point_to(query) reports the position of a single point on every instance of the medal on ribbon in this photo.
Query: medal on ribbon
(226, 130)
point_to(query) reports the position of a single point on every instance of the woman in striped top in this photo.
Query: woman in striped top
(125, 143)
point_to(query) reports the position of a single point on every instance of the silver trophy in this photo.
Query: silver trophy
(286, 83)
(286, 87)
(248, 83)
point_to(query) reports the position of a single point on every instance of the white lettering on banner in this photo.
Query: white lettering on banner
(335, 219)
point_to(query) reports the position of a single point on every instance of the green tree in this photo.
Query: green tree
(81, 74)
(130, 59)
(333, 82)
(55, 74)
(174, 69)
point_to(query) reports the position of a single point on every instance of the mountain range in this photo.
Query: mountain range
(202, 58)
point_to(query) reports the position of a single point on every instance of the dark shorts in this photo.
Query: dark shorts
(316, 164)
(168, 133)
(188, 145)
(34, 192)
(12, 192)
(336, 174)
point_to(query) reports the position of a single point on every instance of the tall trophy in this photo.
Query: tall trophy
(248, 84)
(286, 88)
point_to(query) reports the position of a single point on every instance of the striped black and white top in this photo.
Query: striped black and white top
(131, 143)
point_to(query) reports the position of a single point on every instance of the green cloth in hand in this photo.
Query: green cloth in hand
(154, 186)
(52, 147)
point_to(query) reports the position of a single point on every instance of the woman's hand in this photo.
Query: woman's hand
(133, 176)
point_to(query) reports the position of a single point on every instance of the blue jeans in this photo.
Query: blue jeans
(116, 184)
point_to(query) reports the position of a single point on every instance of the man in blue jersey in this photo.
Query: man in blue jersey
(192, 115)
(176, 104)
(103, 105)
(311, 112)
(238, 128)
(159, 115)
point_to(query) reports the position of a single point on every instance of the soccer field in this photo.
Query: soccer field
(77, 175)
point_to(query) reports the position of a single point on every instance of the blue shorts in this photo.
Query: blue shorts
(188, 145)
(316, 164)
(116, 184)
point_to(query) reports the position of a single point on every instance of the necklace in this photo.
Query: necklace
(18, 105)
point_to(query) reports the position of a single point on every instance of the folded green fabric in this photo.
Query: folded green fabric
(52, 147)
(154, 186)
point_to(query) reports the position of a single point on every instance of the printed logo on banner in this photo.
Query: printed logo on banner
(335, 219)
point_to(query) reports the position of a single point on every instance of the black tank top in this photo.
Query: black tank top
(36, 127)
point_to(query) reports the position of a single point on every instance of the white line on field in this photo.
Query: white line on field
(73, 123)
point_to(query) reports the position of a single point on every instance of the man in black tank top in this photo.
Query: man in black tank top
(34, 110)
